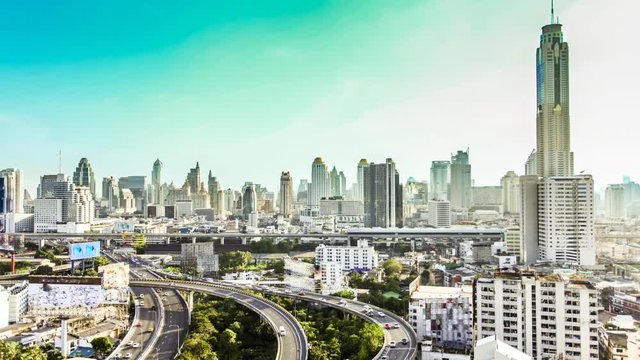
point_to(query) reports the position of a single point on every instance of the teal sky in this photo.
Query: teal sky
(251, 88)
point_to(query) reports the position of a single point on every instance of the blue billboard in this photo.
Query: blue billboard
(79, 251)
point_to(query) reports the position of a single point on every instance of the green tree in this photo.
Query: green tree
(195, 349)
(31, 353)
(9, 350)
(102, 345)
(346, 293)
(43, 270)
(229, 345)
(392, 267)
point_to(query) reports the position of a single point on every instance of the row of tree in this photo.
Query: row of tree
(10, 350)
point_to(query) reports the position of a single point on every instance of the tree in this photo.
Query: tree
(392, 267)
(44, 270)
(195, 348)
(32, 353)
(9, 350)
(229, 345)
(102, 345)
(346, 293)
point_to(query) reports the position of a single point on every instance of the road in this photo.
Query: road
(400, 351)
(174, 329)
(292, 346)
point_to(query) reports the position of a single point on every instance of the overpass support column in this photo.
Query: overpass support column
(190, 302)
(40, 243)
(168, 241)
(107, 242)
(244, 241)
(221, 241)
(193, 240)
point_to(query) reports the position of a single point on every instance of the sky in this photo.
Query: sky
(250, 88)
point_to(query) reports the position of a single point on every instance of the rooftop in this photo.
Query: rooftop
(441, 292)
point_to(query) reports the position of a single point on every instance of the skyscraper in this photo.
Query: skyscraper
(285, 203)
(359, 188)
(156, 182)
(439, 180)
(193, 178)
(111, 193)
(83, 176)
(14, 190)
(382, 195)
(249, 200)
(460, 191)
(320, 185)
(510, 184)
(553, 138)
(566, 220)
(214, 192)
(614, 202)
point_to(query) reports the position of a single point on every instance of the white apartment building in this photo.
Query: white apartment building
(46, 214)
(541, 315)
(514, 242)
(331, 279)
(439, 213)
(83, 207)
(443, 315)
(18, 301)
(4, 307)
(566, 220)
(361, 256)
(491, 348)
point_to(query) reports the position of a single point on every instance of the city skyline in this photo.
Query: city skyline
(353, 111)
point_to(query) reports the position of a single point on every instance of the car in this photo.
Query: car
(281, 331)
(135, 345)
(367, 307)
(384, 357)
(141, 303)
(387, 326)
(404, 341)
(137, 325)
(392, 344)
(128, 355)
(396, 326)
(141, 296)
(380, 313)
(130, 343)
(301, 293)
(150, 329)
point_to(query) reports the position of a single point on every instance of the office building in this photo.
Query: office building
(618, 338)
(183, 208)
(553, 133)
(82, 205)
(194, 180)
(544, 316)
(213, 185)
(285, 203)
(138, 187)
(443, 315)
(513, 241)
(111, 193)
(614, 202)
(347, 213)
(566, 220)
(320, 186)
(460, 188)
(47, 214)
(528, 185)
(439, 180)
(382, 195)
(302, 195)
(360, 257)
(198, 258)
(510, 184)
(3, 195)
(156, 183)
(13, 191)
(487, 197)
(249, 200)
(18, 301)
(439, 213)
(358, 191)
(127, 201)
(83, 176)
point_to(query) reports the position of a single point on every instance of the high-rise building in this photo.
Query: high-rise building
(529, 218)
(460, 189)
(359, 257)
(439, 213)
(320, 184)
(213, 185)
(193, 178)
(544, 316)
(614, 201)
(553, 138)
(156, 182)
(13, 190)
(60, 201)
(285, 203)
(439, 180)
(3, 195)
(382, 195)
(337, 182)
(111, 193)
(510, 184)
(358, 191)
(83, 176)
(566, 220)
(138, 187)
(302, 195)
(249, 200)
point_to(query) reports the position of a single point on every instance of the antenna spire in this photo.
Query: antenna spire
(552, 12)
(59, 161)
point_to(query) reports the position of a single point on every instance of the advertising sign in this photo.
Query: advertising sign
(80, 251)
(63, 299)
(115, 283)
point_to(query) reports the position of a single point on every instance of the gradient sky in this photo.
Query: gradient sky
(250, 88)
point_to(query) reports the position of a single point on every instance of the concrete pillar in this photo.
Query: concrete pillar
(63, 339)
(221, 241)
(190, 301)
(40, 243)
(244, 241)
(193, 240)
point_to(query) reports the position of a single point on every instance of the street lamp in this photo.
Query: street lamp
(178, 333)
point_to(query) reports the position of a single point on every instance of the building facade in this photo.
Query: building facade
(285, 202)
(382, 195)
(362, 256)
(439, 213)
(439, 180)
(83, 176)
(460, 189)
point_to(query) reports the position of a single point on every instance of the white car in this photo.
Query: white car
(135, 345)
(381, 314)
(392, 344)
(128, 355)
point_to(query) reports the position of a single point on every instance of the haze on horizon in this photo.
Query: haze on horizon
(252, 88)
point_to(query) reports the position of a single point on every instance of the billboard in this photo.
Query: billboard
(115, 283)
(47, 299)
(87, 250)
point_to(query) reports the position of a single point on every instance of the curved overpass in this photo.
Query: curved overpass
(295, 337)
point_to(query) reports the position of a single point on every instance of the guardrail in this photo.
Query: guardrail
(158, 329)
